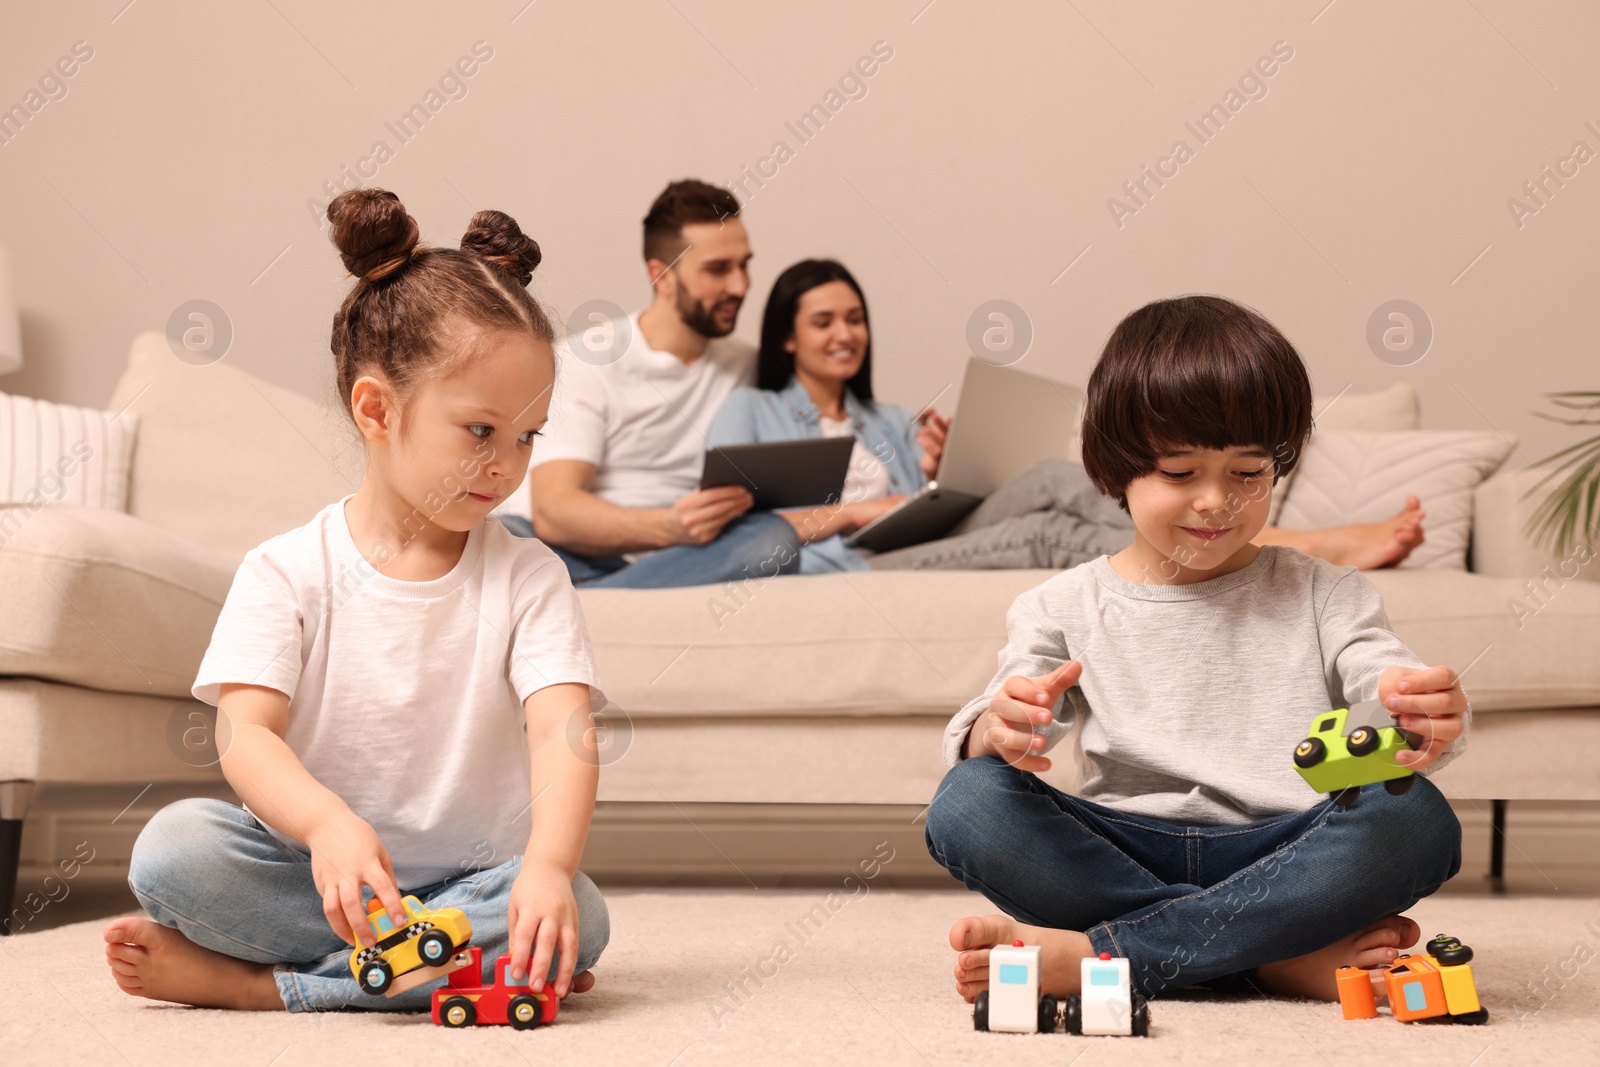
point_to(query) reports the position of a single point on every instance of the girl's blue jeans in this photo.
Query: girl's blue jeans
(212, 871)
(1190, 905)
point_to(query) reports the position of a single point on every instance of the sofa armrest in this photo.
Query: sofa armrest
(1501, 548)
(103, 600)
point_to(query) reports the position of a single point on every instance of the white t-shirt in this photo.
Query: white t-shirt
(867, 478)
(642, 420)
(405, 698)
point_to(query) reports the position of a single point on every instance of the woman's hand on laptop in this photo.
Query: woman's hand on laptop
(1006, 729)
(1426, 702)
(935, 428)
(698, 516)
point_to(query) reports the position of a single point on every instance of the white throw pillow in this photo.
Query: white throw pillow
(1365, 477)
(1395, 408)
(58, 454)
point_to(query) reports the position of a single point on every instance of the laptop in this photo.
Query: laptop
(1005, 420)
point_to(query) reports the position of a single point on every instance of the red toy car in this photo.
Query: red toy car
(463, 1001)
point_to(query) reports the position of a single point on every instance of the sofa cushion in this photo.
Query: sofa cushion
(864, 644)
(225, 459)
(65, 733)
(1366, 477)
(100, 599)
(924, 642)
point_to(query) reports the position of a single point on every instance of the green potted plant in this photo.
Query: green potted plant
(1570, 513)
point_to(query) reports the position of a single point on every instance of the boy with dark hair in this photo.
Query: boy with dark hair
(1191, 664)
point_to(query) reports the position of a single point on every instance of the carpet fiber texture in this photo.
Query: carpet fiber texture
(725, 977)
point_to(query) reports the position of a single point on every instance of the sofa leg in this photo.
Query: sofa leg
(14, 800)
(1497, 846)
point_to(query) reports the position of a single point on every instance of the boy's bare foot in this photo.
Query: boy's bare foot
(582, 982)
(1311, 975)
(151, 960)
(1369, 546)
(973, 937)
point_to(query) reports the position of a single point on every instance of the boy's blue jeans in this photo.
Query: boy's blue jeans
(211, 871)
(1190, 905)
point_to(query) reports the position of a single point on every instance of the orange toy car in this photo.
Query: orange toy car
(1418, 987)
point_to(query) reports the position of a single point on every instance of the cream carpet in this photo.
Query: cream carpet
(869, 985)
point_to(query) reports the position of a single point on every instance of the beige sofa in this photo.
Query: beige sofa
(775, 737)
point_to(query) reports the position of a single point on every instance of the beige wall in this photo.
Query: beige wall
(979, 164)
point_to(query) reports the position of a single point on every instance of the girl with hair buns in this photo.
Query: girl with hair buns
(404, 689)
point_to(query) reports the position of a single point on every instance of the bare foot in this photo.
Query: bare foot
(582, 982)
(1374, 545)
(1311, 975)
(973, 937)
(151, 960)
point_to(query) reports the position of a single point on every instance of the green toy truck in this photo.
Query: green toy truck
(1352, 747)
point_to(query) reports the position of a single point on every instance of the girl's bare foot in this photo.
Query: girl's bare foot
(1369, 546)
(1311, 975)
(973, 937)
(151, 960)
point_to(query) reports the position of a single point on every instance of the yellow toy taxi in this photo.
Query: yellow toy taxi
(428, 938)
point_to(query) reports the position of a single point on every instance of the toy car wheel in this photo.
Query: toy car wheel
(1399, 787)
(1309, 752)
(434, 948)
(1440, 942)
(1141, 1016)
(523, 1013)
(1454, 955)
(1363, 741)
(980, 1011)
(1072, 1013)
(1047, 1014)
(376, 977)
(457, 1012)
(1345, 797)
(1472, 1018)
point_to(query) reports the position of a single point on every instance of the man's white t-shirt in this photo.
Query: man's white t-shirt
(405, 698)
(642, 420)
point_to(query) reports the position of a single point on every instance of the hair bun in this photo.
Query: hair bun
(495, 236)
(374, 234)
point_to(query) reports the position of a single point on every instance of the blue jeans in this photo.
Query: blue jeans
(757, 544)
(1190, 905)
(212, 872)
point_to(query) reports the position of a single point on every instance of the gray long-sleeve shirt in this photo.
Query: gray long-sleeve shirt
(1193, 697)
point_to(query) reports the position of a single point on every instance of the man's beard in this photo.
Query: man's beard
(701, 319)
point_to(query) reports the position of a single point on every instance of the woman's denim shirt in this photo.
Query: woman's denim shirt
(753, 416)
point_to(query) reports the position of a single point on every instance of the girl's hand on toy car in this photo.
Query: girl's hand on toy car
(346, 855)
(543, 914)
(1426, 702)
(1019, 706)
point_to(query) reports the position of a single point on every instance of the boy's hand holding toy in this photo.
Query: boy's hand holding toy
(1019, 706)
(1426, 702)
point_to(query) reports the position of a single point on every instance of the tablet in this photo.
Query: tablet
(783, 474)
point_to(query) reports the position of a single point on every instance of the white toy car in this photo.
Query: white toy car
(1108, 1004)
(1012, 1002)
